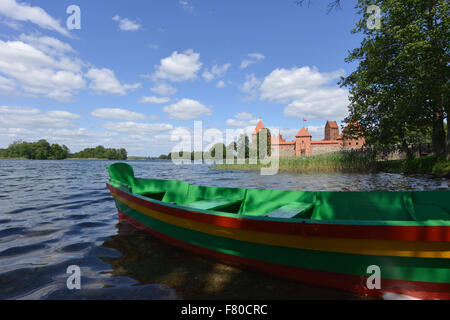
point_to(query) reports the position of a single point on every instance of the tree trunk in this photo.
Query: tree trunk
(438, 135)
(447, 150)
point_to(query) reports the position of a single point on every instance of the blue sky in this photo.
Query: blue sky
(138, 71)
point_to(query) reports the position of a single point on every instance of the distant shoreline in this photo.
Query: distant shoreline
(84, 159)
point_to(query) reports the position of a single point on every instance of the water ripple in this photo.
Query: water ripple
(54, 214)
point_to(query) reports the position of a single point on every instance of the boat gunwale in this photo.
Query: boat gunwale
(356, 229)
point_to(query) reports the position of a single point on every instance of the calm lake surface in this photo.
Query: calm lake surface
(54, 214)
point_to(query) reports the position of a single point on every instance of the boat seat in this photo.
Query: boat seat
(215, 204)
(157, 195)
(290, 210)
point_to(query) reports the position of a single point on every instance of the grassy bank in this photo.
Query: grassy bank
(354, 162)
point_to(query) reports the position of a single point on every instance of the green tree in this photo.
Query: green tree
(265, 137)
(400, 87)
(215, 150)
(243, 146)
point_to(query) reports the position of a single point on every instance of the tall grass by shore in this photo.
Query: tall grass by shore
(364, 162)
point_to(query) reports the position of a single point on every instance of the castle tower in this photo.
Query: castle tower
(258, 128)
(331, 130)
(303, 143)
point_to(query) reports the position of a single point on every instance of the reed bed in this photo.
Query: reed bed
(354, 161)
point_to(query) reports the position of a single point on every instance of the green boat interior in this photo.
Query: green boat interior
(379, 206)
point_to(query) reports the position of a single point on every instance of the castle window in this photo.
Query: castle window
(357, 143)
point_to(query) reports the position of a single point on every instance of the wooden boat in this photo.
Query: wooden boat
(324, 238)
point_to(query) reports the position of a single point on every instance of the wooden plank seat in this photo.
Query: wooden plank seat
(215, 204)
(290, 210)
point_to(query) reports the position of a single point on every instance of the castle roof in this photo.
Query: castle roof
(332, 124)
(259, 126)
(303, 133)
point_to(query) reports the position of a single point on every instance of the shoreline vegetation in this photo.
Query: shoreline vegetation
(347, 162)
(42, 150)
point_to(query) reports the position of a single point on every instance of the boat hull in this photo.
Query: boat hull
(413, 260)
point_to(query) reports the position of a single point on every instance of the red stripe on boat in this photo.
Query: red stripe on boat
(379, 232)
(352, 283)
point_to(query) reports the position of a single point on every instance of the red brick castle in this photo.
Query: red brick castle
(304, 146)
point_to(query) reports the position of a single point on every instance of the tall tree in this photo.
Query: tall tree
(401, 85)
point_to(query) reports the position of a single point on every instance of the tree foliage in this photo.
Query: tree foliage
(399, 91)
(101, 152)
(40, 150)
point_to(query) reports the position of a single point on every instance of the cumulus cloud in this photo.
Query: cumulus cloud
(242, 119)
(127, 24)
(104, 81)
(7, 86)
(179, 66)
(26, 118)
(154, 99)
(216, 71)
(24, 12)
(117, 113)
(49, 45)
(244, 116)
(252, 58)
(250, 86)
(308, 92)
(137, 128)
(220, 84)
(164, 89)
(187, 109)
(42, 70)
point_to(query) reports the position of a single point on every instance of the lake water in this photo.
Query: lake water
(54, 214)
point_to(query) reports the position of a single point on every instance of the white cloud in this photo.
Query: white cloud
(220, 84)
(242, 119)
(153, 46)
(164, 89)
(32, 118)
(220, 71)
(216, 71)
(154, 99)
(208, 76)
(186, 5)
(251, 86)
(127, 24)
(7, 86)
(179, 66)
(104, 81)
(235, 123)
(330, 103)
(44, 72)
(282, 85)
(118, 114)
(254, 58)
(307, 91)
(244, 116)
(48, 45)
(186, 109)
(24, 12)
(130, 127)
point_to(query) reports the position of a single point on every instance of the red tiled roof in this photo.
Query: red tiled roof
(303, 133)
(259, 126)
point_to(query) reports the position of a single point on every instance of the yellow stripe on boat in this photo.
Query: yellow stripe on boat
(352, 246)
